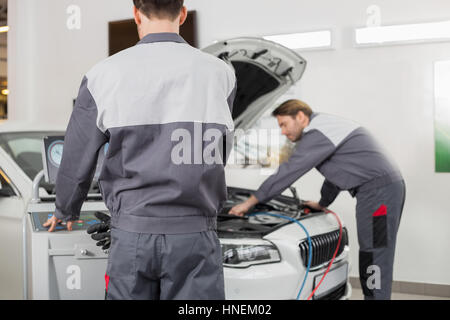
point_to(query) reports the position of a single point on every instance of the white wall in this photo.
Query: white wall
(389, 90)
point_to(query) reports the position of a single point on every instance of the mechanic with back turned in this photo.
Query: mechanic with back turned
(350, 159)
(146, 101)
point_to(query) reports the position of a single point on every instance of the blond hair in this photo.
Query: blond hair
(292, 108)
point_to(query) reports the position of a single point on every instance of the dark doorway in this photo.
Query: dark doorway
(4, 59)
(123, 34)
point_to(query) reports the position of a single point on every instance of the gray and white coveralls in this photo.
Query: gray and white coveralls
(165, 108)
(350, 159)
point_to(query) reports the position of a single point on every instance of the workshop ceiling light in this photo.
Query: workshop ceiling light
(403, 34)
(304, 40)
(5, 92)
(4, 29)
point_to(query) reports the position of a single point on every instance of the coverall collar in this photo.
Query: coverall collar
(162, 37)
(313, 115)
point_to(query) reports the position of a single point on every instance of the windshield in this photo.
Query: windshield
(262, 145)
(25, 148)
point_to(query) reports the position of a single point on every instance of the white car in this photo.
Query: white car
(265, 256)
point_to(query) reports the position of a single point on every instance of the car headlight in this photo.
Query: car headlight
(245, 255)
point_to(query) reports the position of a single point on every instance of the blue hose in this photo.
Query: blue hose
(307, 235)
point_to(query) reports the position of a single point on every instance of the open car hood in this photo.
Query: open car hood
(264, 70)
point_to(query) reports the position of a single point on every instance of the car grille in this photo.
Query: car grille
(336, 294)
(323, 247)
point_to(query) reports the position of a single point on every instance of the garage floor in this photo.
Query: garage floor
(357, 295)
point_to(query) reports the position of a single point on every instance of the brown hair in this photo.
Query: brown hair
(292, 108)
(162, 9)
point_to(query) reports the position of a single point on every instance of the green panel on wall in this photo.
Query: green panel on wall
(442, 115)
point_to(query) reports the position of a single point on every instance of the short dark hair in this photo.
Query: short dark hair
(162, 9)
(292, 108)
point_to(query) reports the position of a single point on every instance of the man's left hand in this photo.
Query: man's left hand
(314, 205)
(53, 221)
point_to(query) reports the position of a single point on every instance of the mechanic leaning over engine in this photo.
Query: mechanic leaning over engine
(350, 159)
(163, 202)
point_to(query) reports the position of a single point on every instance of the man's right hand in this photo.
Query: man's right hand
(101, 232)
(242, 208)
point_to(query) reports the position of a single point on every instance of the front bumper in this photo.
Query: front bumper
(280, 281)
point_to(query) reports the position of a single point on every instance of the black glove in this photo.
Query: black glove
(101, 232)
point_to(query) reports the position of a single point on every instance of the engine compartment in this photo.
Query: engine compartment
(230, 226)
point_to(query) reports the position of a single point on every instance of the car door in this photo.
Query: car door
(12, 209)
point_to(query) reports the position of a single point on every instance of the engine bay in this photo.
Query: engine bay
(231, 226)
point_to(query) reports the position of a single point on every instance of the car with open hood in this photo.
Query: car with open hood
(267, 254)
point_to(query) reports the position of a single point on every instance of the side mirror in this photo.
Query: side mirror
(6, 190)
